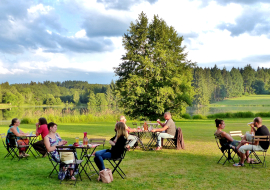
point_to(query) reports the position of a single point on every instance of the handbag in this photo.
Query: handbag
(67, 157)
(106, 176)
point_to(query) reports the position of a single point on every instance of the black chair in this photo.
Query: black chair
(65, 149)
(13, 146)
(9, 151)
(115, 162)
(227, 151)
(172, 142)
(54, 164)
(260, 158)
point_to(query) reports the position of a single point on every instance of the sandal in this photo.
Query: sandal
(158, 148)
(72, 178)
(238, 165)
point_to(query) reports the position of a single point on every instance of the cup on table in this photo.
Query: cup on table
(80, 143)
(139, 128)
(77, 140)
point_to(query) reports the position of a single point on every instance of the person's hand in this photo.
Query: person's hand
(153, 130)
(37, 124)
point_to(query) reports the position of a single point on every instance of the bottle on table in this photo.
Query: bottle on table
(85, 139)
(145, 126)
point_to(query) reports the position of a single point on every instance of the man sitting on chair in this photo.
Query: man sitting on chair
(167, 131)
(262, 130)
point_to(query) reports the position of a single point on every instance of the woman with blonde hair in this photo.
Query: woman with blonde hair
(118, 143)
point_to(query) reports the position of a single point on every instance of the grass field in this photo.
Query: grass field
(252, 100)
(193, 168)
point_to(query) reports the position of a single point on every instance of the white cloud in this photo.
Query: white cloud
(80, 34)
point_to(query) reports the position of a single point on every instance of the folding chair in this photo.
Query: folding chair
(97, 141)
(227, 151)
(134, 124)
(115, 162)
(9, 153)
(172, 142)
(63, 149)
(54, 164)
(259, 160)
(236, 134)
(13, 146)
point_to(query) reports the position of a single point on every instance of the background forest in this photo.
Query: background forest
(210, 85)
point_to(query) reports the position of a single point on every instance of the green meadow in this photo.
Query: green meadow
(193, 168)
(252, 100)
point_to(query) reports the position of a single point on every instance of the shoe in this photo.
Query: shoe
(45, 155)
(72, 178)
(238, 165)
(158, 148)
(21, 156)
(25, 155)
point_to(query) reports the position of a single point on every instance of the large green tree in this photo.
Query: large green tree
(154, 75)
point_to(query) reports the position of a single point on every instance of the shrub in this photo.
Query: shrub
(248, 114)
(186, 116)
(262, 114)
(199, 116)
(26, 121)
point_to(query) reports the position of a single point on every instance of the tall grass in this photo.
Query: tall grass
(71, 116)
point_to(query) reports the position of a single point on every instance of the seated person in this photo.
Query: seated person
(15, 130)
(51, 141)
(243, 150)
(225, 139)
(41, 128)
(168, 127)
(118, 143)
(132, 138)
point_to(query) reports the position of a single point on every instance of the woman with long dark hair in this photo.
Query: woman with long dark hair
(15, 130)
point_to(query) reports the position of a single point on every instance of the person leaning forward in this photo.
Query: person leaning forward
(261, 130)
(41, 128)
(167, 131)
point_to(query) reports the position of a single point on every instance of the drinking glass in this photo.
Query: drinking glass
(77, 140)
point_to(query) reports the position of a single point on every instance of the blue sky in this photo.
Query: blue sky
(62, 40)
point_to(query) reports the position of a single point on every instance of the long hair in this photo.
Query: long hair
(13, 121)
(218, 121)
(42, 121)
(121, 130)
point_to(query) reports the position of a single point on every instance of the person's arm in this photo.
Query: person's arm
(112, 142)
(48, 145)
(227, 136)
(13, 130)
(37, 127)
(160, 129)
(131, 130)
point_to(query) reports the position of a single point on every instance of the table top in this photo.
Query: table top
(81, 146)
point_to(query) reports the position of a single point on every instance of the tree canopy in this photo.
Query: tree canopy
(154, 75)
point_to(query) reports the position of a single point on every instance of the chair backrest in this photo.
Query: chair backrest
(260, 138)
(3, 137)
(97, 141)
(221, 143)
(134, 124)
(11, 140)
(236, 133)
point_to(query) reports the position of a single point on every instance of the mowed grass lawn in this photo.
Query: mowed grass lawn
(252, 100)
(193, 168)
